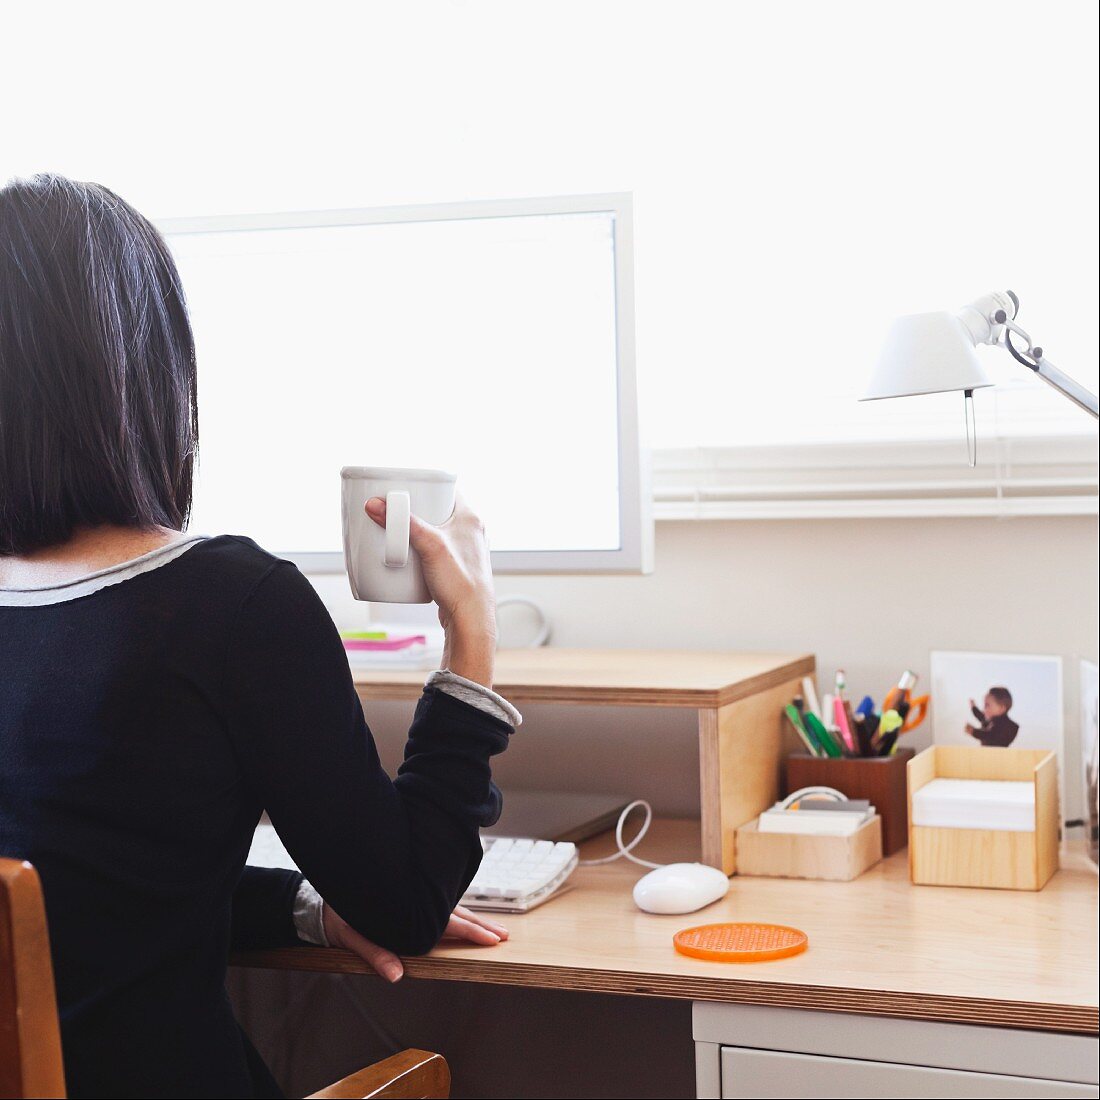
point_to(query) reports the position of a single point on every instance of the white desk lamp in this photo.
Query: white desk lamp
(934, 353)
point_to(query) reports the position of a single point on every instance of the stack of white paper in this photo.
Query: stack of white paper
(976, 804)
(812, 822)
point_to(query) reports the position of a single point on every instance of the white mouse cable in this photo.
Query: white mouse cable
(625, 850)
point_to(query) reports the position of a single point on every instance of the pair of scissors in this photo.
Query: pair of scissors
(918, 711)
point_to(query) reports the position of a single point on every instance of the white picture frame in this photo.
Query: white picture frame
(1033, 681)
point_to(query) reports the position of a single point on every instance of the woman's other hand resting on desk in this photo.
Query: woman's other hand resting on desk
(464, 926)
(455, 559)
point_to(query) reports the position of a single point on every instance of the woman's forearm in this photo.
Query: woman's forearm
(470, 651)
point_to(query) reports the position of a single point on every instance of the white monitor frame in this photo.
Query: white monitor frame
(635, 551)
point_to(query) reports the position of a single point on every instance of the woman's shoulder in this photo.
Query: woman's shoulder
(238, 566)
(237, 553)
(264, 599)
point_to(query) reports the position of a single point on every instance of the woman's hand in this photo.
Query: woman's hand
(463, 927)
(466, 926)
(455, 560)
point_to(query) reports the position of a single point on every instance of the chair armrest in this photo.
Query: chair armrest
(411, 1073)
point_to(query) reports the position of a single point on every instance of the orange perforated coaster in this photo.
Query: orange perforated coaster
(741, 943)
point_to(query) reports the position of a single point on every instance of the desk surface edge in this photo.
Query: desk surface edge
(1024, 1015)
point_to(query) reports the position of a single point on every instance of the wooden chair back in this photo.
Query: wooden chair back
(30, 1038)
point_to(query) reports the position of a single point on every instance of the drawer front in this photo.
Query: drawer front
(765, 1074)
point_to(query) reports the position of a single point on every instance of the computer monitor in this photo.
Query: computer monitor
(493, 339)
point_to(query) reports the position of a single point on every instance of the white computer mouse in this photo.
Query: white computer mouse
(680, 888)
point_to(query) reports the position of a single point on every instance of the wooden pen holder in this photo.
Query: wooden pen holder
(879, 779)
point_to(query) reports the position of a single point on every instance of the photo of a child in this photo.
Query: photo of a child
(998, 701)
(994, 725)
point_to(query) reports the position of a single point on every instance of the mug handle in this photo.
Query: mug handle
(398, 509)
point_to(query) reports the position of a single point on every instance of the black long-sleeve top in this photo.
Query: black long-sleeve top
(997, 732)
(143, 729)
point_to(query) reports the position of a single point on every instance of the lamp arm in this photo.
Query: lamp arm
(1062, 382)
(1034, 360)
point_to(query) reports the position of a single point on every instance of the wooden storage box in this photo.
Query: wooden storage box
(879, 779)
(986, 857)
(794, 855)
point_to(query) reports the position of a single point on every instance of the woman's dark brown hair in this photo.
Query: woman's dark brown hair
(98, 415)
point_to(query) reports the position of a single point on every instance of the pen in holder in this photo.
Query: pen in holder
(855, 748)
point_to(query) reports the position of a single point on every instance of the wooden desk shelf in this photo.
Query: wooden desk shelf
(739, 698)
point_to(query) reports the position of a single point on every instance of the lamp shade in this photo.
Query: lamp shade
(926, 353)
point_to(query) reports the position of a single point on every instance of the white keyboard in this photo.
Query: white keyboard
(516, 875)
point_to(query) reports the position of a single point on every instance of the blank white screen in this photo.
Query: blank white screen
(485, 346)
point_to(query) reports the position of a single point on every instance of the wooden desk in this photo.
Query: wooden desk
(739, 698)
(878, 946)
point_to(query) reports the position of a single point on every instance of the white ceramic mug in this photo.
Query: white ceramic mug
(382, 566)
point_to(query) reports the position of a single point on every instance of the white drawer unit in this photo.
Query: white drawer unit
(746, 1051)
(773, 1073)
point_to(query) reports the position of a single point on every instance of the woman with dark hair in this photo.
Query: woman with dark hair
(160, 690)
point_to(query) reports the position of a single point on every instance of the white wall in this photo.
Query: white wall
(802, 171)
(871, 596)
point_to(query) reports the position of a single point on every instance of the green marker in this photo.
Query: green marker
(826, 739)
(795, 720)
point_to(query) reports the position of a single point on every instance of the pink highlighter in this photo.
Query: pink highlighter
(841, 717)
